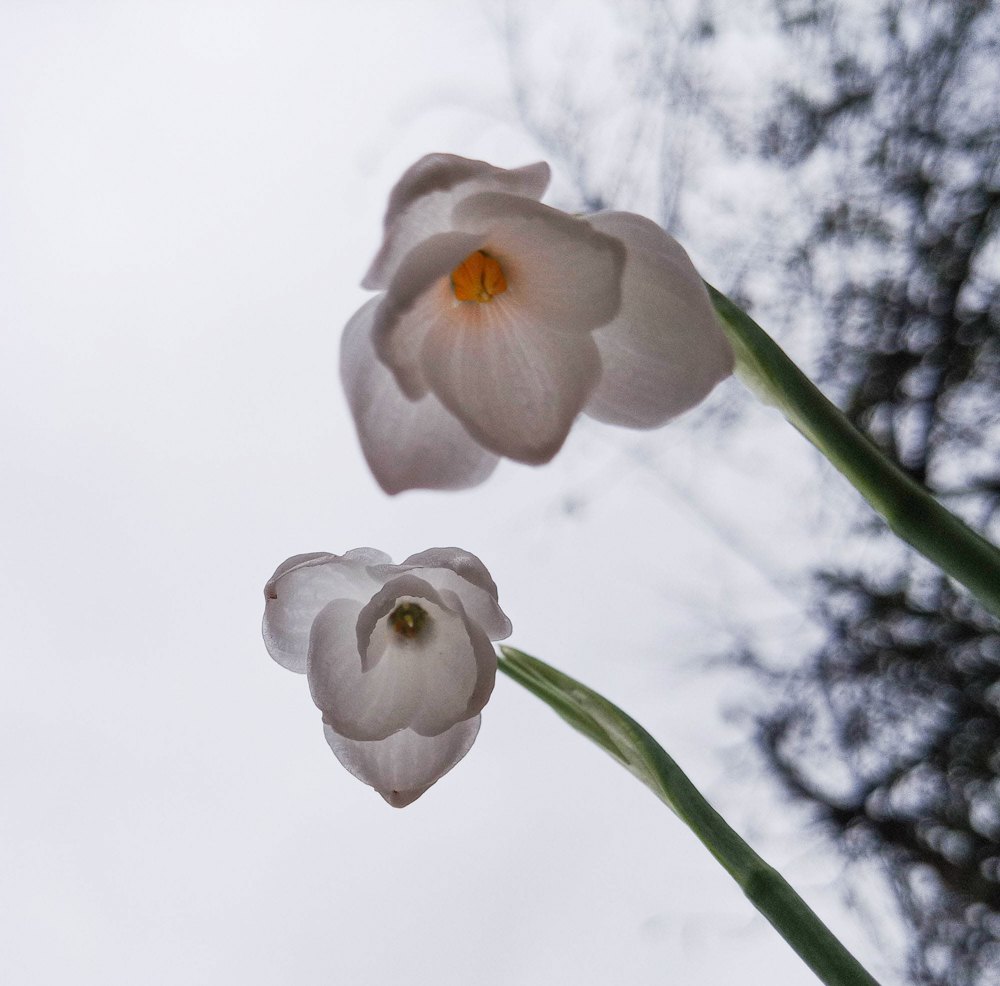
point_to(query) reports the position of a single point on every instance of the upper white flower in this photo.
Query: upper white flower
(501, 319)
(398, 657)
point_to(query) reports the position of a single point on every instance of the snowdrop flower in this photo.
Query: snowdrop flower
(398, 657)
(501, 319)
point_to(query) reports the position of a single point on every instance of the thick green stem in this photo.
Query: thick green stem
(635, 749)
(906, 506)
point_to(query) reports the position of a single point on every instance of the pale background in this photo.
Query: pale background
(189, 194)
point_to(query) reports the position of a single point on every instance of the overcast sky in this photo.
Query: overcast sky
(189, 194)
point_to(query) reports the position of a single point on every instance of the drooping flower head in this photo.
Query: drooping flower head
(398, 657)
(501, 319)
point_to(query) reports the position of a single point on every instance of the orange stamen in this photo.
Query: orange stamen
(478, 278)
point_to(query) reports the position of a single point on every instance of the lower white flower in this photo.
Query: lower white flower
(399, 658)
(502, 319)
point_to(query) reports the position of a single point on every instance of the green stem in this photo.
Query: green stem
(907, 507)
(634, 748)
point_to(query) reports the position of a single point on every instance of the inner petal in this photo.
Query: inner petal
(478, 278)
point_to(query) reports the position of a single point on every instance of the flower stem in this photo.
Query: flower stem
(907, 507)
(634, 748)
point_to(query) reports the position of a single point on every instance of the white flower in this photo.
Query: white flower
(398, 657)
(501, 319)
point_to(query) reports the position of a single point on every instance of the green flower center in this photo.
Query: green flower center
(408, 619)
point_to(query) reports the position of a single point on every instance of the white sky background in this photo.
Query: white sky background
(189, 194)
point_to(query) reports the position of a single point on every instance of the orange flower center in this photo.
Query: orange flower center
(478, 278)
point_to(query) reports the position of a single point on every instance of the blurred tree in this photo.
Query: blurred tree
(905, 263)
(888, 126)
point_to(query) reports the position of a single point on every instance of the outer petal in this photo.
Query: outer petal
(420, 204)
(514, 385)
(665, 350)
(460, 561)
(397, 341)
(460, 572)
(402, 766)
(486, 660)
(407, 444)
(300, 587)
(367, 556)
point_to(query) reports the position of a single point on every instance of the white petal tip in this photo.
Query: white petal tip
(400, 799)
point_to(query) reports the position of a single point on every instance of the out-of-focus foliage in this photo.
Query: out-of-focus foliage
(879, 131)
(905, 692)
(891, 732)
(913, 319)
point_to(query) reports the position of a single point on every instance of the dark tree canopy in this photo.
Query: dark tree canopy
(914, 334)
(905, 691)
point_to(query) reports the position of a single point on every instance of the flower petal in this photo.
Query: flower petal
(486, 661)
(513, 384)
(362, 706)
(462, 573)
(449, 666)
(407, 444)
(367, 556)
(460, 561)
(382, 603)
(420, 204)
(404, 765)
(422, 278)
(665, 350)
(300, 587)
(427, 682)
(557, 267)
